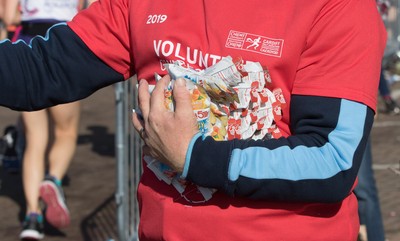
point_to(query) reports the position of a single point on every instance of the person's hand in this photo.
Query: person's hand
(166, 134)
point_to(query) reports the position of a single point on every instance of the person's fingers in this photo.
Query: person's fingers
(183, 101)
(147, 151)
(158, 95)
(144, 98)
(150, 152)
(137, 122)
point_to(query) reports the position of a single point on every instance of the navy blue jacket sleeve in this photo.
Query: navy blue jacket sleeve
(51, 70)
(317, 163)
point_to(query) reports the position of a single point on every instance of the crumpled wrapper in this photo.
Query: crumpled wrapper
(231, 100)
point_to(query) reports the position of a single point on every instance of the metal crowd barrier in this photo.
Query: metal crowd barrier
(128, 155)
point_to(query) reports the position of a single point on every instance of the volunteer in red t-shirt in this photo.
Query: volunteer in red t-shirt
(324, 55)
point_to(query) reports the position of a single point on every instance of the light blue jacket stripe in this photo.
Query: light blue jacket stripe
(305, 162)
(189, 154)
(46, 37)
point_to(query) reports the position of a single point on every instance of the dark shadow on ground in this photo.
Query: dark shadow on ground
(102, 141)
(101, 223)
(11, 186)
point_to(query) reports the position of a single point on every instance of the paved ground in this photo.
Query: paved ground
(92, 176)
(91, 187)
(386, 157)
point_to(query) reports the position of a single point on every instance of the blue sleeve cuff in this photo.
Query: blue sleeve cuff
(189, 154)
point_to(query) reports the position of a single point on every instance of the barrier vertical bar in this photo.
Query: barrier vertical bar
(128, 155)
(135, 164)
(121, 157)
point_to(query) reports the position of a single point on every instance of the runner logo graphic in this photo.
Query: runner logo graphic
(255, 43)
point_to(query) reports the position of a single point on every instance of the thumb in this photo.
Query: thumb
(183, 101)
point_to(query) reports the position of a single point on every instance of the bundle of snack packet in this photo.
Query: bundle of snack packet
(231, 100)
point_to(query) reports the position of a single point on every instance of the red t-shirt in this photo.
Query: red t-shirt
(324, 48)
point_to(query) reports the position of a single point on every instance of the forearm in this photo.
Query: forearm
(50, 71)
(318, 163)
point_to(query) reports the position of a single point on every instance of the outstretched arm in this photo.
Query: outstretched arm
(48, 71)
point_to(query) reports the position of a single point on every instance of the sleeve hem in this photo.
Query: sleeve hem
(189, 154)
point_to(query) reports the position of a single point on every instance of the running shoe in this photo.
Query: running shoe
(51, 193)
(32, 227)
(8, 150)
